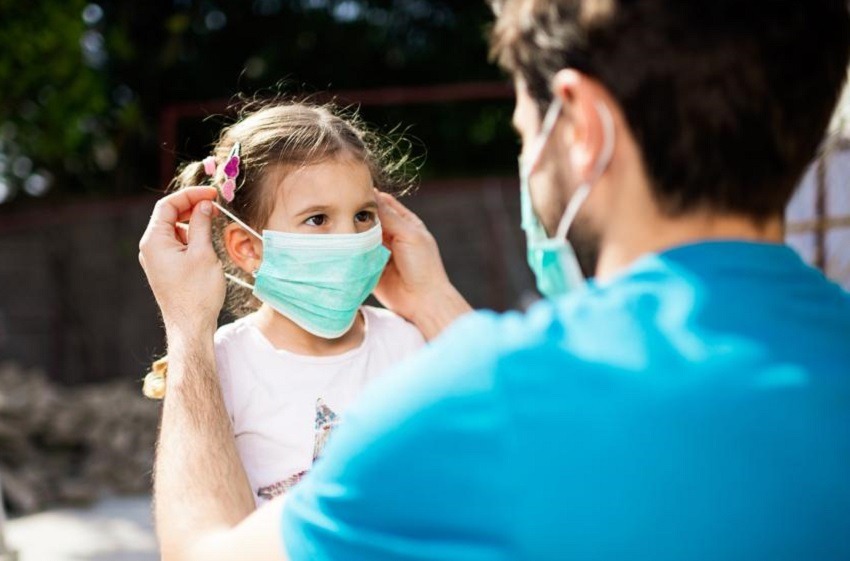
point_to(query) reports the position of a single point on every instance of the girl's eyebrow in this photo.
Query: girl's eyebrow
(321, 209)
(315, 209)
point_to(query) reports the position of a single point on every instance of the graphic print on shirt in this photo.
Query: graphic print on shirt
(326, 420)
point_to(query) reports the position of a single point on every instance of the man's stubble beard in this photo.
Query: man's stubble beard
(586, 241)
(583, 234)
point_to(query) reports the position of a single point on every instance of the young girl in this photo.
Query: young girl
(300, 238)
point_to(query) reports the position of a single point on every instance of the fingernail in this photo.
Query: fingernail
(206, 207)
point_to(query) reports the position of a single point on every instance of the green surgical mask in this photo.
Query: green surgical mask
(319, 281)
(553, 260)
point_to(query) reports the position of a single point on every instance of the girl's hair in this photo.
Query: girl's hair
(294, 134)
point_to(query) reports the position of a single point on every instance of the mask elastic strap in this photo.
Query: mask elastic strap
(608, 147)
(572, 209)
(237, 280)
(549, 121)
(601, 165)
(233, 217)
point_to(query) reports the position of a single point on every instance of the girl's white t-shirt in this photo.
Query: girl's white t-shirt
(283, 405)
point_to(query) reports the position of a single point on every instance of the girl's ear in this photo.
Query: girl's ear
(244, 250)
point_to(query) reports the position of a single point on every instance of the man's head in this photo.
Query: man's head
(718, 105)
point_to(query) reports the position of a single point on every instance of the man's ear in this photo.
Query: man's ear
(244, 250)
(584, 137)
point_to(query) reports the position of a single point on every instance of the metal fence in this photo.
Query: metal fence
(818, 217)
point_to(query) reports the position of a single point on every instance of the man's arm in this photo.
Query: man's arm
(201, 491)
(203, 503)
(418, 470)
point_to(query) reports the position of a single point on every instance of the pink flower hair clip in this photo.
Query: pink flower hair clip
(230, 170)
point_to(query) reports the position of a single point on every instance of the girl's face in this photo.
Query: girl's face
(331, 197)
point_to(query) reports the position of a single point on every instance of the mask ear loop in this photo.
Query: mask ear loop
(549, 121)
(232, 216)
(240, 282)
(601, 165)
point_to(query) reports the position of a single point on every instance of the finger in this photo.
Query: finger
(185, 216)
(160, 233)
(170, 208)
(200, 229)
(402, 210)
(391, 221)
(183, 232)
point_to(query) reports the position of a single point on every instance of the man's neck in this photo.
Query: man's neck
(632, 239)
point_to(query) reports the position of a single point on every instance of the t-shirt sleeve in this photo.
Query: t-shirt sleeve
(416, 470)
(413, 337)
(405, 337)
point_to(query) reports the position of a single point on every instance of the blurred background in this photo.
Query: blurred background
(100, 102)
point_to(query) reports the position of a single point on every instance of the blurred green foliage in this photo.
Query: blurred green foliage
(83, 84)
(57, 121)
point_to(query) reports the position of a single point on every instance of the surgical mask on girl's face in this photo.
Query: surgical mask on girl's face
(553, 260)
(319, 281)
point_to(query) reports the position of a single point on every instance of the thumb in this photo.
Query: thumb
(200, 228)
(391, 221)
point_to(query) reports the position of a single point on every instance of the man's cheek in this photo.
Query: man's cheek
(547, 199)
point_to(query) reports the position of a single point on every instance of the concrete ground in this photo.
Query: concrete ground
(115, 529)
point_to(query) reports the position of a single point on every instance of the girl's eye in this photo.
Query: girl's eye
(364, 216)
(318, 220)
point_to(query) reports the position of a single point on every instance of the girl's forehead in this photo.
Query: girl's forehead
(339, 181)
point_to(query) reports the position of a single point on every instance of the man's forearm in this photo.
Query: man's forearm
(443, 310)
(200, 485)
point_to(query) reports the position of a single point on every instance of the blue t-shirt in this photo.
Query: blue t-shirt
(697, 407)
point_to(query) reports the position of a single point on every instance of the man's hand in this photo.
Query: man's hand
(415, 284)
(183, 270)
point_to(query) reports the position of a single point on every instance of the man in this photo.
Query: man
(692, 402)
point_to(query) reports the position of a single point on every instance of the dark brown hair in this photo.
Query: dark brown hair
(728, 100)
(293, 134)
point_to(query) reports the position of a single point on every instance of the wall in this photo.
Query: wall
(74, 302)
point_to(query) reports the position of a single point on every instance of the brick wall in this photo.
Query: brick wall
(74, 301)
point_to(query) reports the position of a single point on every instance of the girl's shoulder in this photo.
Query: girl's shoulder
(384, 324)
(233, 340)
(232, 332)
(230, 345)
